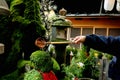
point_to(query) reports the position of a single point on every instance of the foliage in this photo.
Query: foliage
(26, 12)
(70, 52)
(91, 66)
(108, 56)
(51, 50)
(4, 22)
(15, 75)
(18, 74)
(70, 49)
(33, 75)
(73, 70)
(56, 66)
(22, 63)
(19, 31)
(5, 38)
(83, 65)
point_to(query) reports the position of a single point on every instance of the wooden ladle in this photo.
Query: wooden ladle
(41, 43)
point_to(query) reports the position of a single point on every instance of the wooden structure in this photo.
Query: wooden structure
(95, 24)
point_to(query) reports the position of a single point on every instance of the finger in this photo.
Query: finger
(77, 40)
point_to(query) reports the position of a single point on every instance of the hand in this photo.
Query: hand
(79, 39)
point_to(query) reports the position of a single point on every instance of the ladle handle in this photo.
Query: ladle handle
(59, 42)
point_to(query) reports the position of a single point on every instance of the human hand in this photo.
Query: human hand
(79, 39)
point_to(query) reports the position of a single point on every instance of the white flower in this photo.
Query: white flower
(80, 64)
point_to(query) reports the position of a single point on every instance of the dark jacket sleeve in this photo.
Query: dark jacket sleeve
(110, 45)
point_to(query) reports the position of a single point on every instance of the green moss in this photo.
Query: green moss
(15, 75)
(22, 63)
(25, 26)
(33, 75)
(56, 66)
(27, 13)
(42, 61)
(60, 22)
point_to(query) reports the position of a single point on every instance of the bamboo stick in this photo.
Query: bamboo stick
(58, 42)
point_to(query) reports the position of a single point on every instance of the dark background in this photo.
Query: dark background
(82, 6)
